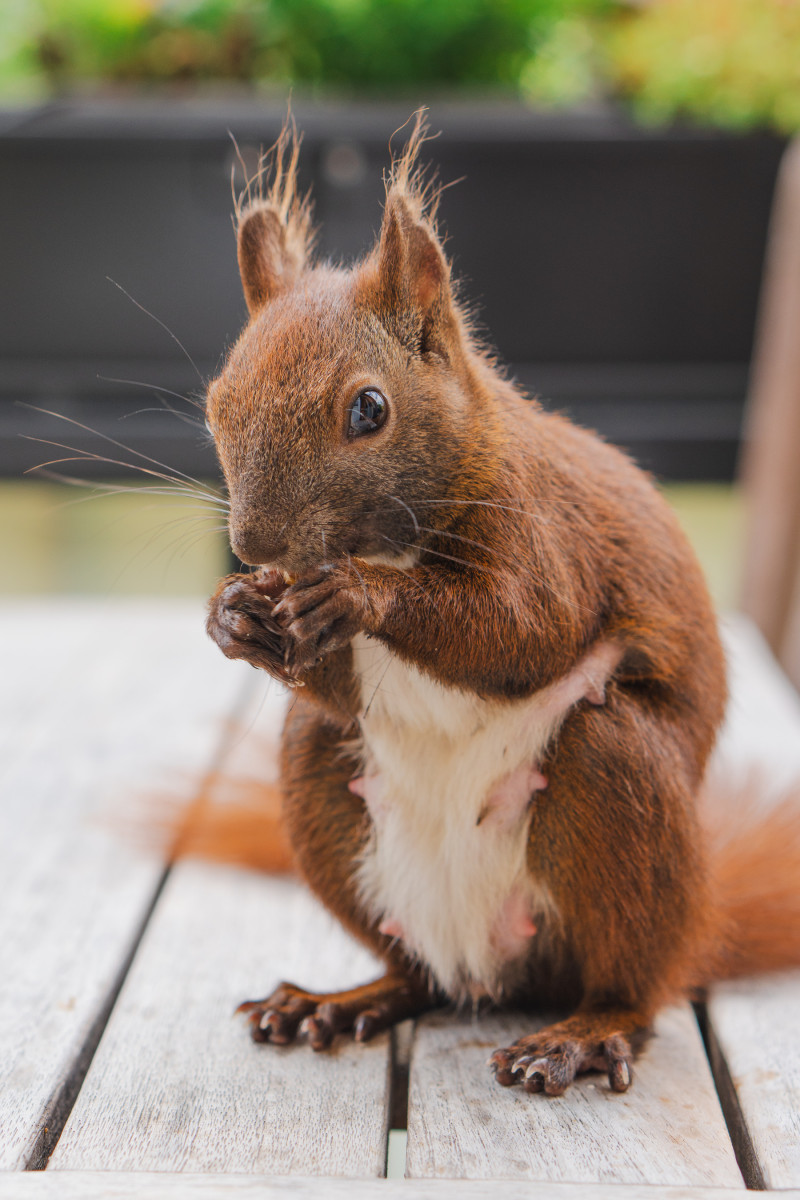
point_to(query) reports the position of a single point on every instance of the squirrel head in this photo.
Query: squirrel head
(350, 399)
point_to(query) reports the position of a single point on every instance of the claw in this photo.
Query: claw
(619, 1076)
(318, 1032)
(278, 1028)
(366, 1026)
(500, 1062)
(536, 1066)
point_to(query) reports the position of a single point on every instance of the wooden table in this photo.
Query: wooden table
(124, 1073)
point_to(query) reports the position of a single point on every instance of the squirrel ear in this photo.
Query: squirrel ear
(411, 286)
(268, 262)
(273, 229)
(411, 265)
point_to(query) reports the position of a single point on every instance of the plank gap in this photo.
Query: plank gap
(61, 1103)
(743, 1148)
(402, 1040)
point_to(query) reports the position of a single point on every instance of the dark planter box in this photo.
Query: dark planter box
(617, 269)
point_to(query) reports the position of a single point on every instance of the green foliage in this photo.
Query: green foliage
(351, 45)
(734, 63)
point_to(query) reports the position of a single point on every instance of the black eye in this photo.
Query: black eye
(367, 412)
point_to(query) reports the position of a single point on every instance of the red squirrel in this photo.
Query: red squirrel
(506, 667)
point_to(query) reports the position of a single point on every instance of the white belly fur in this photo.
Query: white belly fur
(444, 878)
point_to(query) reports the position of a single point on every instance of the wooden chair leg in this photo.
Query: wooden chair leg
(770, 466)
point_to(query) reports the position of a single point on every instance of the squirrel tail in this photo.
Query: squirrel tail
(754, 873)
(754, 862)
(228, 820)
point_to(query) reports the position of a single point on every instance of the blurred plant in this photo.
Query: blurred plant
(351, 45)
(567, 66)
(733, 63)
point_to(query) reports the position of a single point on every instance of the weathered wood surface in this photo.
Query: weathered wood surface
(102, 1185)
(94, 699)
(756, 1024)
(178, 1085)
(762, 726)
(668, 1129)
(124, 1185)
(757, 1029)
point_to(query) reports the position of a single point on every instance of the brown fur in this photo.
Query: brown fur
(754, 880)
(533, 540)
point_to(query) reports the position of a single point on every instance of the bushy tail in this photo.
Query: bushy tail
(754, 862)
(754, 881)
(230, 820)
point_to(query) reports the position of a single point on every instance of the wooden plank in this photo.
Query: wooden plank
(177, 1085)
(762, 726)
(755, 1024)
(668, 1129)
(121, 1185)
(95, 699)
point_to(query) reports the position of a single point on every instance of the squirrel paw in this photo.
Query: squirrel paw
(319, 1016)
(241, 621)
(548, 1061)
(321, 612)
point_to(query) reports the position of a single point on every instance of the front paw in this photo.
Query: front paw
(241, 621)
(322, 611)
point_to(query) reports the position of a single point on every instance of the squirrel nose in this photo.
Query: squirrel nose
(255, 546)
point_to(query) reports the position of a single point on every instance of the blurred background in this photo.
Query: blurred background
(616, 161)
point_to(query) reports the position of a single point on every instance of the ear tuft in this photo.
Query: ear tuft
(410, 279)
(273, 223)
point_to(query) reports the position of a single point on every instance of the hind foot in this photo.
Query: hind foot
(548, 1061)
(364, 1011)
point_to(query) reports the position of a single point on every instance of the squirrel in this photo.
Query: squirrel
(506, 671)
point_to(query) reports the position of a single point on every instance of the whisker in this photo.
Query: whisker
(98, 490)
(417, 584)
(503, 558)
(464, 562)
(397, 500)
(165, 411)
(459, 537)
(525, 512)
(512, 563)
(103, 491)
(176, 486)
(379, 684)
(173, 473)
(154, 387)
(158, 321)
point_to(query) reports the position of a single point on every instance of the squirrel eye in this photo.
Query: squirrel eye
(367, 412)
